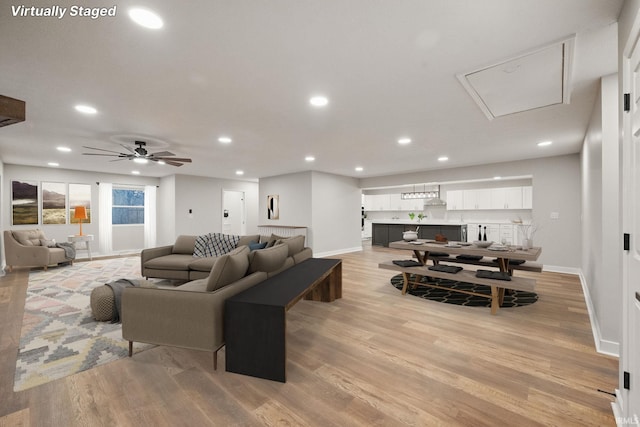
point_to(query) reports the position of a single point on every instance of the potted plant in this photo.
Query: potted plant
(420, 216)
(412, 215)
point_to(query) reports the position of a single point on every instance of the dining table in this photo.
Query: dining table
(503, 253)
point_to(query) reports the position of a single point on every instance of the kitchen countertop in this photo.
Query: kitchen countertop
(416, 223)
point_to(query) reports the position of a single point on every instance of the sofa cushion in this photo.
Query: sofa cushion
(295, 244)
(269, 259)
(184, 245)
(304, 254)
(214, 244)
(245, 240)
(199, 285)
(228, 268)
(48, 243)
(178, 262)
(202, 264)
(29, 237)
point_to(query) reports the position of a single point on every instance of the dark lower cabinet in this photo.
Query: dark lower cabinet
(382, 234)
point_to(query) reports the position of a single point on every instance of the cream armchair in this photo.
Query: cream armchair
(28, 248)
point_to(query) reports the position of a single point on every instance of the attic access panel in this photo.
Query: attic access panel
(535, 79)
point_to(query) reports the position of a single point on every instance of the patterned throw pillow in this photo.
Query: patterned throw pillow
(214, 244)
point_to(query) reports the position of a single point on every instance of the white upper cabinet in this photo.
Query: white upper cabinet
(527, 197)
(506, 198)
(455, 200)
(476, 199)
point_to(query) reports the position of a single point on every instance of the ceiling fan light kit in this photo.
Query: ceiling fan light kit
(141, 155)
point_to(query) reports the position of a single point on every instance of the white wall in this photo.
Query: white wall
(602, 231)
(336, 214)
(328, 205)
(204, 197)
(166, 219)
(556, 188)
(131, 240)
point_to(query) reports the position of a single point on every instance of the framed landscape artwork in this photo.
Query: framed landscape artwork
(54, 203)
(24, 202)
(79, 195)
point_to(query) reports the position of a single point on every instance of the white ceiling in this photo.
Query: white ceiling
(246, 69)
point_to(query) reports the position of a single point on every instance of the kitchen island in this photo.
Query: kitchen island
(384, 232)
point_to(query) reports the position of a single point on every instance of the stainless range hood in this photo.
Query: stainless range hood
(435, 201)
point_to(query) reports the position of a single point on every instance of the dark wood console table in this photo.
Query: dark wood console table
(255, 320)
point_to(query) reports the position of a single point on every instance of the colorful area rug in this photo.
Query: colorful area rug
(513, 299)
(59, 335)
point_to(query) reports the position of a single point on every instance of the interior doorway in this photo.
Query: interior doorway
(234, 218)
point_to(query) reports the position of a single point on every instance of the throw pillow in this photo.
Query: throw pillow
(228, 269)
(48, 243)
(295, 244)
(184, 245)
(214, 244)
(269, 259)
(255, 245)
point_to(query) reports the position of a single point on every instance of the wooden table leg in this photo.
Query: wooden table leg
(495, 303)
(405, 285)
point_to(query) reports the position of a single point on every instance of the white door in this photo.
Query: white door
(233, 213)
(629, 400)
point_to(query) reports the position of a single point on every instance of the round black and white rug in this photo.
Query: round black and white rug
(511, 299)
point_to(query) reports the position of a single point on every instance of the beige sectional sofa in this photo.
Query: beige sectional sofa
(31, 248)
(191, 315)
(177, 261)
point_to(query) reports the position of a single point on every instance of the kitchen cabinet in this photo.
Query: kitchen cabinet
(477, 199)
(385, 233)
(506, 198)
(527, 197)
(377, 202)
(455, 200)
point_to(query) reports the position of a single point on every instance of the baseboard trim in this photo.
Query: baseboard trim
(561, 269)
(610, 348)
(337, 252)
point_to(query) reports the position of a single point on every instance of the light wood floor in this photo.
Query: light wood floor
(374, 357)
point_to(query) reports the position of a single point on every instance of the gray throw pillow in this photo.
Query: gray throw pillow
(269, 259)
(228, 269)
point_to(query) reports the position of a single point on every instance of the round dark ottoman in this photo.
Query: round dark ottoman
(103, 303)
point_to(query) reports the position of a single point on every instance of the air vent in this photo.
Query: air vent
(535, 79)
(11, 111)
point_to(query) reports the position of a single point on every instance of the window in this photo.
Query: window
(128, 206)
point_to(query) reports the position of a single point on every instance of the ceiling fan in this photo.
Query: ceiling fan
(141, 155)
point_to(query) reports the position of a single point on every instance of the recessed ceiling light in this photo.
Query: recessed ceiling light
(443, 158)
(319, 101)
(64, 149)
(404, 141)
(309, 158)
(544, 143)
(53, 164)
(145, 18)
(359, 169)
(141, 160)
(497, 177)
(224, 139)
(135, 172)
(239, 172)
(86, 109)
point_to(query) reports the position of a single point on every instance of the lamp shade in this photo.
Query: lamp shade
(80, 212)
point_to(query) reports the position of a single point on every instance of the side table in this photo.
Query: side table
(86, 238)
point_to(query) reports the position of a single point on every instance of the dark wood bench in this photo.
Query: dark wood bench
(412, 276)
(255, 319)
(488, 262)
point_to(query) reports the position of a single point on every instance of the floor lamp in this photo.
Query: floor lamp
(80, 213)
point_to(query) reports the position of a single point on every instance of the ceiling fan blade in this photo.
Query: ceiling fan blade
(169, 162)
(131, 150)
(100, 154)
(100, 149)
(162, 154)
(173, 159)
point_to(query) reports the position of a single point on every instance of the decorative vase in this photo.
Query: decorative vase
(527, 244)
